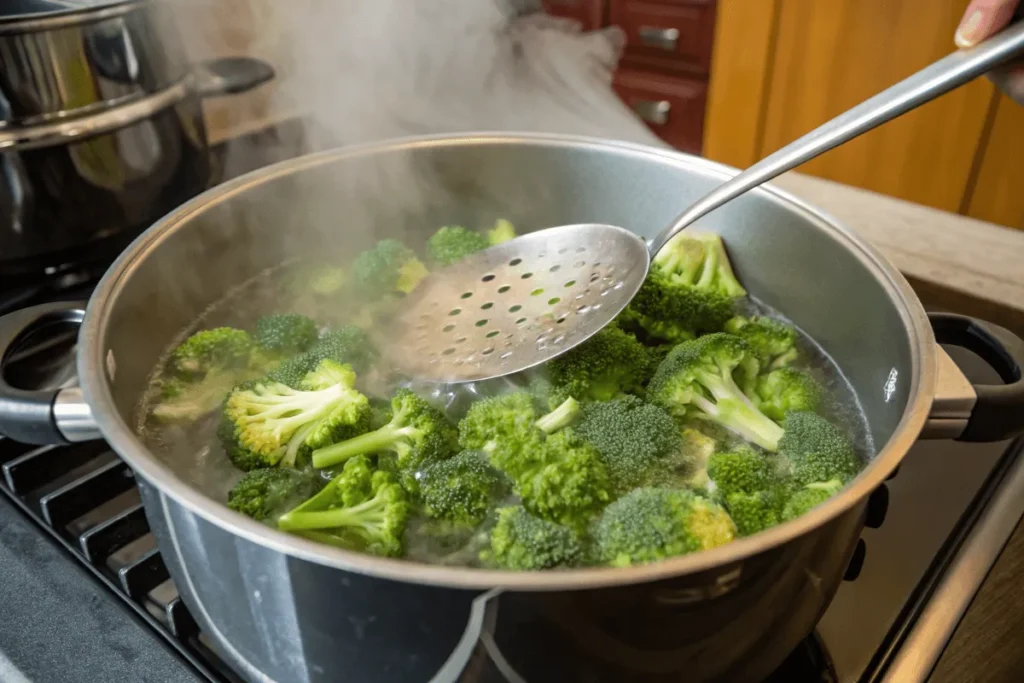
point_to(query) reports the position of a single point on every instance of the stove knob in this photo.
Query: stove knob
(878, 505)
(856, 561)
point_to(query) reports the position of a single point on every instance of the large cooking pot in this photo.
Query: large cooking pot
(101, 127)
(287, 609)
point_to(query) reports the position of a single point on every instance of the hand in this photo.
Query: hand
(985, 18)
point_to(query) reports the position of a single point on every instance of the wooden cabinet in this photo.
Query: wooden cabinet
(672, 107)
(663, 74)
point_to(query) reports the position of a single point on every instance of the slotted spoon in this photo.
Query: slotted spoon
(519, 304)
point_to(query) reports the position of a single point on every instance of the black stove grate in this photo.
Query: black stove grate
(86, 498)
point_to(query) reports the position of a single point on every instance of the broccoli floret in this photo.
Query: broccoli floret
(272, 422)
(635, 439)
(817, 450)
(461, 489)
(697, 448)
(608, 365)
(672, 331)
(786, 390)
(503, 427)
(773, 342)
(690, 289)
(566, 481)
(699, 379)
(388, 267)
(219, 348)
(810, 496)
(753, 512)
(358, 509)
(286, 334)
(652, 524)
(267, 492)
(202, 370)
(743, 470)
(184, 401)
(348, 344)
(521, 542)
(317, 279)
(559, 476)
(418, 434)
(503, 231)
(454, 243)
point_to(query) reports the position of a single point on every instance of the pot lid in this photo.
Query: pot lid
(18, 15)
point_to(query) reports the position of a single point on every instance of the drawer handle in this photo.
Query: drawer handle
(661, 38)
(654, 112)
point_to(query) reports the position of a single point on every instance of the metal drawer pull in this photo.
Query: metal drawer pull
(652, 111)
(661, 38)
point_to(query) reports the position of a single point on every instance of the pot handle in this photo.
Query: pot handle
(41, 416)
(231, 76)
(996, 411)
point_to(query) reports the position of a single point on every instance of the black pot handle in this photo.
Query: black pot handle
(231, 76)
(998, 411)
(41, 416)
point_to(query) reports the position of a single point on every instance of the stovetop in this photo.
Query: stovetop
(86, 596)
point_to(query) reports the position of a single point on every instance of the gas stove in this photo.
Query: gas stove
(87, 596)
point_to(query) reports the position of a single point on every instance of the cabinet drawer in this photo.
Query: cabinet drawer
(672, 107)
(670, 36)
(590, 13)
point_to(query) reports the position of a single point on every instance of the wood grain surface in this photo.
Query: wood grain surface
(832, 55)
(987, 646)
(741, 63)
(997, 194)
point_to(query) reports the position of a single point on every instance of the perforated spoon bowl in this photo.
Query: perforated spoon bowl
(522, 303)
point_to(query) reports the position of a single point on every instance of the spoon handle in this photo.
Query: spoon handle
(925, 85)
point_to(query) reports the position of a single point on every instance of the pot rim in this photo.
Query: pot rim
(125, 442)
(73, 16)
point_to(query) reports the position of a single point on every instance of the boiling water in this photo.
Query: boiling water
(193, 452)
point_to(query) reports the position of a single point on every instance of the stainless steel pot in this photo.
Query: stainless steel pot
(101, 128)
(286, 609)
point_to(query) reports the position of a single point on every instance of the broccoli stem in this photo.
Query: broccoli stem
(734, 411)
(362, 518)
(562, 416)
(364, 444)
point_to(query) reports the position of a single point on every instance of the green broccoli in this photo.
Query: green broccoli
(559, 476)
(461, 488)
(817, 450)
(358, 509)
(348, 344)
(810, 496)
(562, 416)
(202, 370)
(454, 243)
(608, 365)
(753, 512)
(652, 524)
(218, 348)
(690, 289)
(774, 343)
(786, 390)
(696, 450)
(270, 422)
(266, 492)
(699, 379)
(636, 440)
(316, 279)
(752, 486)
(418, 435)
(521, 542)
(388, 267)
(286, 334)
(743, 470)
(503, 231)
(565, 482)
